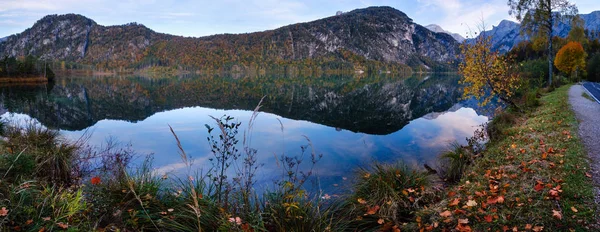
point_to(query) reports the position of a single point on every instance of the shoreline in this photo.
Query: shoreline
(40, 79)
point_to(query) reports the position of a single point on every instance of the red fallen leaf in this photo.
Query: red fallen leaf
(451, 194)
(488, 218)
(538, 187)
(550, 150)
(95, 180)
(544, 156)
(372, 210)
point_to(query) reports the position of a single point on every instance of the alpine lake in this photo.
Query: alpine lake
(351, 121)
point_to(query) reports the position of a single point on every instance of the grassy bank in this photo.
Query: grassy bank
(533, 176)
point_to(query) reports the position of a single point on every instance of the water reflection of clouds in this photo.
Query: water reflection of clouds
(343, 151)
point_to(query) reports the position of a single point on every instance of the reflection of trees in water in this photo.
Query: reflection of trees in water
(374, 105)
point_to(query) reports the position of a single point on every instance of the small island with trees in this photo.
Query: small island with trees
(24, 70)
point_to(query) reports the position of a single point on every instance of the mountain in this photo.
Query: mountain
(3, 39)
(507, 34)
(436, 28)
(374, 36)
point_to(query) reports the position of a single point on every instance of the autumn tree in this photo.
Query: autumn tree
(487, 74)
(577, 32)
(571, 58)
(538, 18)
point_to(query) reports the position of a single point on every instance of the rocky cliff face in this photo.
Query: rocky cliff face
(438, 29)
(76, 38)
(507, 34)
(376, 33)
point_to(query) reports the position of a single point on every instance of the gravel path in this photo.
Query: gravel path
(588, 115)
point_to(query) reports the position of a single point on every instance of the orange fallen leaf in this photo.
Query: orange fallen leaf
(574, 209)
(446, 213)
(361, 201)
(372, 210)
(454, 202)
(537, 228)
(63, 226)
(556, 214)
(528, 227)
(380, 221)
(3, 212)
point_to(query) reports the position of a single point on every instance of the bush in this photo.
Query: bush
(455, 162)
(54, 158)
(387, 195)
(496, 128)
(535, 71)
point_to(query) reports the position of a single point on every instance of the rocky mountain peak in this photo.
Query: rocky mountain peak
(438, 29)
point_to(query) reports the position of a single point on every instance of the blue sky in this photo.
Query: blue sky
(201, 17)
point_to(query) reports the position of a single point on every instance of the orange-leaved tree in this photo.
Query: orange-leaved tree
(570, 58)
(486, 73)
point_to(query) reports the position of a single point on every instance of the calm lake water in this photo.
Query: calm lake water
(350, 121)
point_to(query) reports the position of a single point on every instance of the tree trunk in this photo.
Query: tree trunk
(550, 58)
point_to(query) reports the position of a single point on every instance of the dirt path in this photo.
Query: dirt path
(588, 115)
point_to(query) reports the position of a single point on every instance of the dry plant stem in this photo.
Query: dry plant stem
(186, 161)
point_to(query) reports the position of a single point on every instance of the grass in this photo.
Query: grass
(535, 175)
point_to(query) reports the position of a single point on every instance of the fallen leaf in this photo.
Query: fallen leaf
(471, 203)
(588, 175)
(574, 209)
(372, 210)
(537, 228)
(46, 218)
(463, 221)
(28, 222)
(488, 218)
(556, 214)
(500, 199)
(3, 212)
(62, 225)
(538, 187)
(528, 227)
(446, 213)
(380, 221)
(361, 201)
(454, 202)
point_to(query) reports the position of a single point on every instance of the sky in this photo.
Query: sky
(202, 17)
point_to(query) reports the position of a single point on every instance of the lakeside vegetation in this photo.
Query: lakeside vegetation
(26, 69)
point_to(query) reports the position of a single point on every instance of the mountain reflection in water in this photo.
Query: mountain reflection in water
(351, 121)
